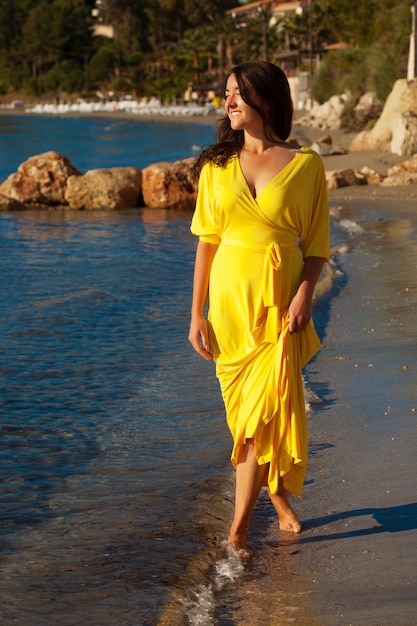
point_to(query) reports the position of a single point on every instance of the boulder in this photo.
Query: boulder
(9, 204)
(344, 178)
(324, 146)
(114, 188)
(405, 167)
(371, 176)
(364, 114)
(400, 179)
(169, 185)
(327, 115)
(404, 173)
(41, 179)
(396, 129)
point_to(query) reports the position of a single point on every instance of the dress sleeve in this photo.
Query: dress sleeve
(205, 222)
(315, 233)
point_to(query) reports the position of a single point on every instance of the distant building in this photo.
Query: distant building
(279, 10)
(101, 28)
(289, 60)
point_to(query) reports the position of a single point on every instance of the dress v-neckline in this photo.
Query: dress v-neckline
(255, 198)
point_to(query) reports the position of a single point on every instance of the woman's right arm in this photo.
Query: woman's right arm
(198, 335)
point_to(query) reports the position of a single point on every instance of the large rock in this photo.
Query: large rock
(327, 115)
(405, 167)
(400, 180)
(344, 178)
(114, 188)
(10, 204)
(169, 185)
(324, 146)
(404, 173)
(41, 179)
(363, 114)
(396, 129)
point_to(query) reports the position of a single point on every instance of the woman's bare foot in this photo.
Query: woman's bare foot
(243, 553)
(290, 523)
(238, 542)
(238, 539)
(288, 519)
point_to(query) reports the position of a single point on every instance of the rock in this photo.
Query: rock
(396, 129)
(364, 114)
(114, 188)
(371, 176)
(41, 179)
(404, 173)
(408, 166)
(169, 185)
(327, 115)
(400, 179)
(324, 146)
(344, 178)
(10, 204)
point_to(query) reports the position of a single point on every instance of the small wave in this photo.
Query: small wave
(311, 398)
(200, 607)
(353, 228)
(330, 275)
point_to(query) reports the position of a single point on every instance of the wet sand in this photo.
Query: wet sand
(354, 563)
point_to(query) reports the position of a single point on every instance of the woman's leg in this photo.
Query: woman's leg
(249, 479)
(288, 519)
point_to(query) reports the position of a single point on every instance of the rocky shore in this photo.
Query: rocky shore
(379, 163)
(50, 180)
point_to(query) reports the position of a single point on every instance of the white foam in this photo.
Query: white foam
(351, 227)
(200, 608)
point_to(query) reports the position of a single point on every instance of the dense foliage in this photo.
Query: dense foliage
(49, 47)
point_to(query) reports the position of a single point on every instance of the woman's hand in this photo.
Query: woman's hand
(198, 337)
(301, 306)
(300, 311)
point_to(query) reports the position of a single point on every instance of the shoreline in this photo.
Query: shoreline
(209, 119)
(305, 135)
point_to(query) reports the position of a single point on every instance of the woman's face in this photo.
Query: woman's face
(241, 115)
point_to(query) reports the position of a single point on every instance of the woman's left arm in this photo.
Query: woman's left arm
(301, 305)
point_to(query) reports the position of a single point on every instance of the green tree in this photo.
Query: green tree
(54, 32)
(36, 40)
(102, 66)
(50, 43)
(378, 50)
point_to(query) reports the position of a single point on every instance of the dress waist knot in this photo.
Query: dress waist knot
(271, 281)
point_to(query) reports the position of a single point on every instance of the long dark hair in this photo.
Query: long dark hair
(271, 86)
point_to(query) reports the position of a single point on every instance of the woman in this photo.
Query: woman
(263, 225)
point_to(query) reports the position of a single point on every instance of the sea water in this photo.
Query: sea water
(92, 143)
(116, 485)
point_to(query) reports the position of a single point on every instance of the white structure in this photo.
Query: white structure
(412, 55)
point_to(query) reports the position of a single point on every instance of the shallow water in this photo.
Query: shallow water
(105, 414)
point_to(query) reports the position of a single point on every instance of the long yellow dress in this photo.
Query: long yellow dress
(255, 273)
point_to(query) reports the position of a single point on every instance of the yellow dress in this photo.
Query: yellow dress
(255, 273)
